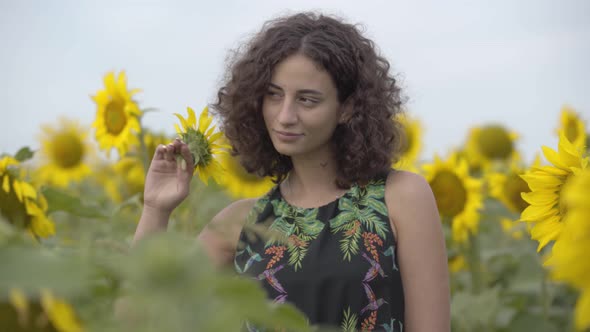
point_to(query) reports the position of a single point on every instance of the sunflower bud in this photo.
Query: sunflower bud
(201, 141)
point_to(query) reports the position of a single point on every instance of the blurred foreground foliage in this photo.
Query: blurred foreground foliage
(164, 283)
(167, 283)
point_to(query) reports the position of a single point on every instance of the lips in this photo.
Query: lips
(285, 133)
(286, 136)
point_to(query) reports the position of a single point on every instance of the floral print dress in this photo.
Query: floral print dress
(336, 263)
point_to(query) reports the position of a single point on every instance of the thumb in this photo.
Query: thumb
(187, 164)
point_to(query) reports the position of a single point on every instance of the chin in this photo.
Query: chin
(286, 151)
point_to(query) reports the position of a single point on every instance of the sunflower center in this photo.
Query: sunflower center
(67, 150)
(571, 130)
(513, 187)
(494, 142)
(114, 116)
(449, 192)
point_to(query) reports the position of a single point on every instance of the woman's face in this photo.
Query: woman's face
(301, 107)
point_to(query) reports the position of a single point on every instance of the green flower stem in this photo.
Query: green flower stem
(474, 263)
(545, 297)
(143, 147)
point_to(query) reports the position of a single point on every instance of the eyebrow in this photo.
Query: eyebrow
(304, 91)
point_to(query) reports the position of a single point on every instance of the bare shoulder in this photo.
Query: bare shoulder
(237, 211)
(220, 237)
(407, 186)
(407, 193)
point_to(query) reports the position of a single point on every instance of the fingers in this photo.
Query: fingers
(188, 157)
(177, 144)
(169, 155)
(169, 151)
(165, 152)
(160, 152)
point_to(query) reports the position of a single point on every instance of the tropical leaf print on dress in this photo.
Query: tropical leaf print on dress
(252, 257)
(296, 255)
(297, 227)
(349, 322)
(362, 209)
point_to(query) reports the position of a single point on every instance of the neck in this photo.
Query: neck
(312, 179)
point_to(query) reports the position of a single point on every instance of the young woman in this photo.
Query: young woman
(353, 242)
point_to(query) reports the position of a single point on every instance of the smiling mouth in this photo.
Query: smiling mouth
(284, 133)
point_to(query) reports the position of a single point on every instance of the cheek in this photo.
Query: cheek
(266, 116)
(323, 122)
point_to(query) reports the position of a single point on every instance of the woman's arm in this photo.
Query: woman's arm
(220, 237)
(422, 254)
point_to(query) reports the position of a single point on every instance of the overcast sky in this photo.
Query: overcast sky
(462, 63)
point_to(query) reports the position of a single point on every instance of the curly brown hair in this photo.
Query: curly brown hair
(368, 141)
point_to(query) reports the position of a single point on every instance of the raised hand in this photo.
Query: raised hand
(168, 179)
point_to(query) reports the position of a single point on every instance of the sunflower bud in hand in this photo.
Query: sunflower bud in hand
(201, 140)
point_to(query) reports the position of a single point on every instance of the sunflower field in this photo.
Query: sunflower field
(517, 231)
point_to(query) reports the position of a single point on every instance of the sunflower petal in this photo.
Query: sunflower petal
(109, 83)
(554, 158)
(182, 120)
(16, 185)
(204, 120)
(568, 152)
(539, 181)
(550, 170)
(546, 232)
(192, 119)
(42, 227)
(540, 197)
(6, 184)
(122, 81)
(538, 213)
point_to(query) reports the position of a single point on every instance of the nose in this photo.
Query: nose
(287, 113)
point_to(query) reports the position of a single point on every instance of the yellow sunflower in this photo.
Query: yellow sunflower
(19, 302)
(104, 176)
(130, 169)
(238, 182)
(152, 140)
(573, 126)
(512, 228)
(60, 313)
(64, 151)
(412, 144)
(547, 209)
(117, 115)
(475, 166)
(126, 177)
(490, 144)
(568, 259)
(201, 140)
(507, 188)
(457, 263)
(20, 203)
(458, 195)
(46, 312)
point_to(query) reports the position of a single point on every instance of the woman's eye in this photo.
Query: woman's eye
(307, 101)
(272, 94)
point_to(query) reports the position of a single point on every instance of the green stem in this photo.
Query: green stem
(545, 297)
(474, 264)
(143, 147)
